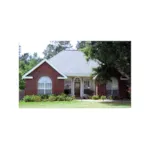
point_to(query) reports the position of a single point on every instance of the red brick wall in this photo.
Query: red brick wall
(101, 89)
(44, 70)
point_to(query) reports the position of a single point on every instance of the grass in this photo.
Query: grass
(74, 104)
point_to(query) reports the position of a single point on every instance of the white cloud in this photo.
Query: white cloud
(73, 44)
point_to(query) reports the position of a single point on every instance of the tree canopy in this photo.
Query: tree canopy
(54, 47)
(26, 62)
(82, 44)
(112, 56)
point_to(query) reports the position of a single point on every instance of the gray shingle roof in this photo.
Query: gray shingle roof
(73, 63)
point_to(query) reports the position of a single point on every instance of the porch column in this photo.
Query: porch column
(94, 87)
(72, 86)
(82, 86)
(81, 89)
(96, 90)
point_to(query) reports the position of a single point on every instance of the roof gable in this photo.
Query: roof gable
(25, 76)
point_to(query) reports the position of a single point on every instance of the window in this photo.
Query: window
(44, 85)
(112, 87)
(86, 84)
(67, 84)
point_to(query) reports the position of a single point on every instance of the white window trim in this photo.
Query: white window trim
(45, 85)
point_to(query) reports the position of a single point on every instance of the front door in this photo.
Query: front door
(77, 87)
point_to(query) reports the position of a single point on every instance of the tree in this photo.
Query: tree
(19, 48)
(26, 62)
(82, 44)
(112, 57)
(25, 57)
(55, 47)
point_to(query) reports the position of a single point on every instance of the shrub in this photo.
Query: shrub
(52, 98)
(27, 98)
(45, 96)
(64, 97)
(69, 98)
(32, 98)
(110, 97)
(44, 100)
(36, 98)
(63, 94)
(95, 97)
(61, 98)
(103, 97)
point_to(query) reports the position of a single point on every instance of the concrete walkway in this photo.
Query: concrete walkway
(106, 100)
(92, 100)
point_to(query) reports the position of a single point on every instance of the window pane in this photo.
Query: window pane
(109, 85)
(67, 84)
(86, 84)
(115, 92)
(112, 85)
(109, 92)
(112, 92)
(48, 91)
(47, 86)
(41, 91)
(44, 80)
(40, 85)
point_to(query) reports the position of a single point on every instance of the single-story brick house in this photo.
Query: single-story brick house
(69, 71)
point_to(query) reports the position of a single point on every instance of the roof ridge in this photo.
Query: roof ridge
(61, 52)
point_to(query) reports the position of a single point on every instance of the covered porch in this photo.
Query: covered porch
(79, 86)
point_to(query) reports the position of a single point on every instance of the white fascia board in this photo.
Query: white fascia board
(61, 78)
(29, 77)
(95, 77)
(78, 74)
(45, 60)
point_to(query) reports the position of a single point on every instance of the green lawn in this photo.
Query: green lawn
(74, 104)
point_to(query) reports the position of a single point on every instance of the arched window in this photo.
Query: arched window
(44, 85)
(112, 87)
